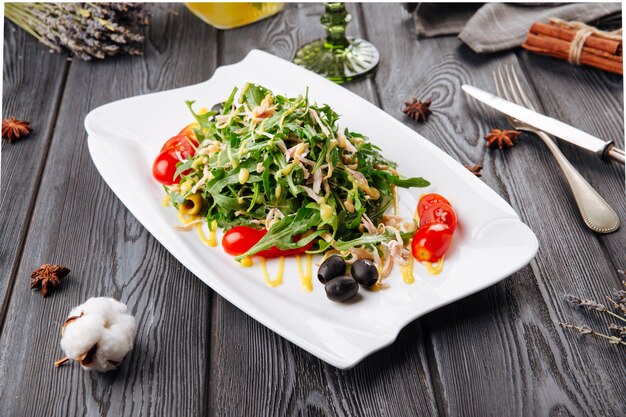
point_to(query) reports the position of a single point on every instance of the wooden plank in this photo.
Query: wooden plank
(33, 96)
(256, 372)
(79, 222)
(501, 352)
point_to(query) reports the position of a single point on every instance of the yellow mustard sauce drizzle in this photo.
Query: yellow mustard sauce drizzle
(247, 262)
(394, 192)
(185, 220)
(211, 240)
(378, 286)
(278, 280)
(166, 200)
(434, 268)
(212, 234)
(407, 271)
(305, 277)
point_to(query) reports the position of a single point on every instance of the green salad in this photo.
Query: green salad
(283, 164)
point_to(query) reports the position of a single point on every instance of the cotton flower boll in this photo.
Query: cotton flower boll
(98, 334)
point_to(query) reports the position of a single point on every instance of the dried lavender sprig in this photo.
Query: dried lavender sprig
(619, 306)
(619, 297)
(583, 303)
(585, 330)
(85, 29)
(586, 304)
(24, 20)
(619, 331)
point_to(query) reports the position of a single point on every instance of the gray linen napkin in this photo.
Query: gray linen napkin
(496, 27)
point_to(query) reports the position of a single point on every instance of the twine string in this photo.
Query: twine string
(583, 31)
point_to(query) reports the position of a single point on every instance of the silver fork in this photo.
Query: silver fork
(596, 213)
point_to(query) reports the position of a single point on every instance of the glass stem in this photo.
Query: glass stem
(335, 19)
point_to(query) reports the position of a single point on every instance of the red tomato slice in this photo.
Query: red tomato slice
(431, 242)
(188, 131)
(164, 166)
(428, 200)
(240, 239)
(183, 143)
(439, 213)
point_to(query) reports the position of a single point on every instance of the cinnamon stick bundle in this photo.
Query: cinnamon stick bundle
(556, 40)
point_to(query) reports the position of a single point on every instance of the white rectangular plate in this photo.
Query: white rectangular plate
(490, 242)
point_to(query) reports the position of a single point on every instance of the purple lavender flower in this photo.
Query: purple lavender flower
(617, 333)
(87, 30)
(585, 304)
(618, 330)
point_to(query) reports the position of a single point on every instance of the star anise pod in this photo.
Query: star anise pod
(474, 169)
(502, 138)
(47, 277)
(417, 110)
(14, 129)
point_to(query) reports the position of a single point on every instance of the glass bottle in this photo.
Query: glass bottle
(233, 15)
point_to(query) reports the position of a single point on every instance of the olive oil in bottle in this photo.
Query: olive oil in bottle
(232, 15)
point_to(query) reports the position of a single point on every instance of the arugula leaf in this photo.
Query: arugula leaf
(229, 102)
(282, 232)
(253, 94)
(182, 167)
(202, 119)
(366, 239)
(409, 182)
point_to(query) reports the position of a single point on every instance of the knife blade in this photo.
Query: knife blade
(604, 149)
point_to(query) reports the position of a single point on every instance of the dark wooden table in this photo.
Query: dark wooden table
(499, 352)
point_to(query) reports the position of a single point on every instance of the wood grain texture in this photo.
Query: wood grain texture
(501, 352)
(256, 372)
(498, 352)
(79, 222)
(32, 96)
(588, 90)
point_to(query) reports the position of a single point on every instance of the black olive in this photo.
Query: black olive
(331, 268)
(341, 288)
(364, 272)
(218, 107)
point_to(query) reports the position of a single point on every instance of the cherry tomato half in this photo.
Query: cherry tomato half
(182, 142)
(428, 200)
(188, 132)
(164, 166)
(431, 242)
(240, 239)
(439, 213)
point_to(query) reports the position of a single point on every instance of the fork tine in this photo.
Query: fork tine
(500, 85)
(513, 90)
(525, 100)
(495, 80)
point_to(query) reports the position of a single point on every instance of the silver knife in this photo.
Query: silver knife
(606, 150)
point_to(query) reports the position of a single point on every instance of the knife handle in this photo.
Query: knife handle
(615, 154)
(596, 212)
